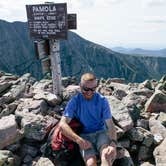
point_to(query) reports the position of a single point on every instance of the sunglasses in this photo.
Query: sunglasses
(88, 89)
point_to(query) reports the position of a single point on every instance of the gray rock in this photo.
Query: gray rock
(124, 142)
(70, 91)
(9, 132)
(8, 159)
(124, 160)
(156, 103)
(31, 105)
(4, 86)
(9, 109)
(162, 118)
(144, 153)
(42, 161)
(50, 98)
(146, 164)
(120, 113)
(143, 123)
(158, 130)
(146, 84)
(36, 126)
(136, 135)
(160, 154)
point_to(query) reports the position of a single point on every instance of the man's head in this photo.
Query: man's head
(88, 85)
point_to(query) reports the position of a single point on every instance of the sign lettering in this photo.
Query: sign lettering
(47, 21)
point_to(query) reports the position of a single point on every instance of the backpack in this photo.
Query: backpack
(59, 147)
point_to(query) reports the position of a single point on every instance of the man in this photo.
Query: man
(99, 134)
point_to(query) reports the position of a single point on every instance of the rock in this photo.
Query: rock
(135, 135)
(124, 142)
(144, 153)
(146, 164)
(28, 150)
(8, 109)
(156, 103)
(163, 79)
(158, 130)
(159, 154)
(119, 94)
(146, 84)
(124, 160)
(8, 159)
(120, 132)
(36, 126)
(116, 80)
(106, 91)
(31, 105)
(70, 91)
(143, 123)
(4, 86)
(50, 98)
(162, 118)
(42, 161)
(9, 132)
(16, 91)
(134, 99)
(120, 113)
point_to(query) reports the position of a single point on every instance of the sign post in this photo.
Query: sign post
(56, 66)
(51, 21)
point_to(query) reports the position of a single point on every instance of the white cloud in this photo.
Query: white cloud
(155, 19)
(153, 3)
(105, 21)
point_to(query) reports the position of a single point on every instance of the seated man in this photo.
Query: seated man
(98, 136)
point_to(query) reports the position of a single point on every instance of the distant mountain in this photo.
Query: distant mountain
(139, 51)
(77, 56)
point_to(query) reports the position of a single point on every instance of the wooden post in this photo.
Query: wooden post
(42, 51)
(56, 66)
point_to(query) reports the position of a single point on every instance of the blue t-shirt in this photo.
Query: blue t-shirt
(91, 113)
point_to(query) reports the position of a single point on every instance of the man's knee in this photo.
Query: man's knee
(91, 161)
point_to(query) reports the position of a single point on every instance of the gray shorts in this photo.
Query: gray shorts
(97, 139)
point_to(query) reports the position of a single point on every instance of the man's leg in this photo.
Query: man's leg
(107, 152)
(107, 158)
(89, 155)
(90, 160)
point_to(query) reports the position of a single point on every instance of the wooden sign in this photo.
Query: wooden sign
(47, 21)
(72, 21)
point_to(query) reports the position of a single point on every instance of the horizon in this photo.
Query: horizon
(111, 23)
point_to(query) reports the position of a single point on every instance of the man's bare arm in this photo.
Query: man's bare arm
(111, 129)
(68, 132)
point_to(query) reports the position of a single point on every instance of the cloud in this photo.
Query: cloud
(155, 19)
(153, 3)
(108, 2)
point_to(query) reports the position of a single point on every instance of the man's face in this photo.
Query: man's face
(88, 88)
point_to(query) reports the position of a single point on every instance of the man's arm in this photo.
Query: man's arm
(111, 130)
(68, 132)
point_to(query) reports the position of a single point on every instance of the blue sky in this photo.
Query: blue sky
(126, 23)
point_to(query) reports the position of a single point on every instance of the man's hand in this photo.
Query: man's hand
(111, 153)
(84, 144)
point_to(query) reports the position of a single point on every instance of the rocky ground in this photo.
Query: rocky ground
(29, 109)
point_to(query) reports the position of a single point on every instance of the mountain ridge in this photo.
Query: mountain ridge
(78, 55)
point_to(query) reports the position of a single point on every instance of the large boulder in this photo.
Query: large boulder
(120, 113)
(9, 132)
(36, 126)
(156, 103)
(158, 130)
(160, 154)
